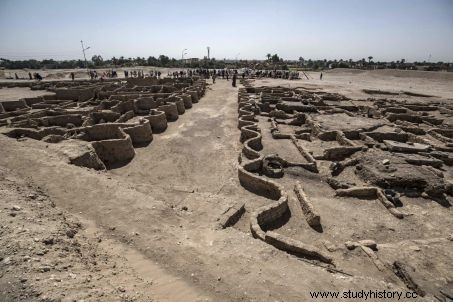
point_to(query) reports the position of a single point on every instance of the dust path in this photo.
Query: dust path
(197, 153)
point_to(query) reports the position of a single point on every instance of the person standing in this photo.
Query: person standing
(320, 76)
(213, 77)
(234, 79)
(72, 76)
(29, 75)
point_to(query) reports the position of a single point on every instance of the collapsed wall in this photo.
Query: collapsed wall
(387, 148)
(250, 163)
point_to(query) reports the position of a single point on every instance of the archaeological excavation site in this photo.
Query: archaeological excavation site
(345, 180)
(180, 189)
(97, 125)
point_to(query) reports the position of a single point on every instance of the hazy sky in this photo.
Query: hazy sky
(385, 29)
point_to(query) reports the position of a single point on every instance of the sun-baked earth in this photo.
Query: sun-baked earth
(183, 190)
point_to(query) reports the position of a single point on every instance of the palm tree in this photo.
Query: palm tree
(369, 59)
(301, 61)
(268, 56)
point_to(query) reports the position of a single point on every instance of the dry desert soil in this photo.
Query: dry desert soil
(150, 230)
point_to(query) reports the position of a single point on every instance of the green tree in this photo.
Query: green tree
(152, 61)
(164, 60)
(301, 61)
(97, 60)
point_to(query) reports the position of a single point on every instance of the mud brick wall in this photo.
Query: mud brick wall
(13, 105)
(158, 120)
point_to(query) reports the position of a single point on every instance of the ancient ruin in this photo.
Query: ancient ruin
(276, 187)
(98, 125)
(343, 166)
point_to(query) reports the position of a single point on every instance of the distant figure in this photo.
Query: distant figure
(227, 74)
(72, 76)
(17, 77)
(30, 76)
(234, 79)
(320, 77)
(213, 78)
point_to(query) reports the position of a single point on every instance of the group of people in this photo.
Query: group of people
(246, 73)
(94, 74)
(34, 76)
(136, 74)
(202, 72)
(179, 74)
(275, 74)
(224, 73)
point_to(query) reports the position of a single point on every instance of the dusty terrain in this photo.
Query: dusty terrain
(167, 225)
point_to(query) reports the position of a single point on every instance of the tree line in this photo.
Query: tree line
(97, 61)
(368, 63)
(271, 62)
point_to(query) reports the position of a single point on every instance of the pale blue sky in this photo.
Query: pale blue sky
(333, 29)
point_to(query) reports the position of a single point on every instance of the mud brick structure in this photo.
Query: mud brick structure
(376, 153)
(113, 117)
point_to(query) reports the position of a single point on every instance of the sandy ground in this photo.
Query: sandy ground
(352, 82)
(12, 94)
(157, 216)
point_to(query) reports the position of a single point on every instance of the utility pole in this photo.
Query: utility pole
(84, 56)
(209, 48)
(183, 53)
(182, 56)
